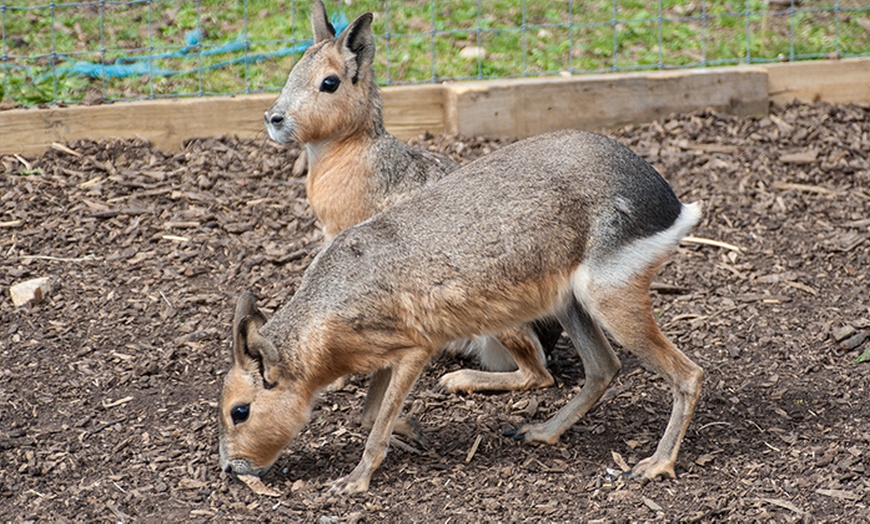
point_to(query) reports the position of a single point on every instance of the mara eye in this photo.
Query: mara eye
(240, 413)
(330, 84)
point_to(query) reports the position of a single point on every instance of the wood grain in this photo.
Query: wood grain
(510, 108)
(520, 108)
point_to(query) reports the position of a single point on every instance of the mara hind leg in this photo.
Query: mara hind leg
(522, 345)
(600, 366)
(625, 310)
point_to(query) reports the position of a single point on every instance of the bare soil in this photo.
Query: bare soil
(108, 386)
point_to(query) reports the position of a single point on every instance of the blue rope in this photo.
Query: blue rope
(128, 67)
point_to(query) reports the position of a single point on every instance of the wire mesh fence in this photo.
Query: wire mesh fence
(87, 52)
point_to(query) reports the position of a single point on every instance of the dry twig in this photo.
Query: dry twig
(710, 242)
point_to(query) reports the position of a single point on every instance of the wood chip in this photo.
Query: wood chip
(801, 157)
(619, 461)
(784, 504)
(848, 241)
(760, 297)
(189, 483)
(111, 213)
(175, 238)
(473, 449)
(651, 504)
(709, 242)
(710, 148)
(803, 287)
(801, 187)
(180, 224)
(256, 484)
(668, 289)
(96, 180)
(107, 405)
(705, 459)
(63, 149)
(87, 258)
(839, 494)
(27, 165)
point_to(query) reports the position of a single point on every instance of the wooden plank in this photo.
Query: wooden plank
(520, 108)
(166, 123)
(502, 107)
(409, 111)
(835, 81)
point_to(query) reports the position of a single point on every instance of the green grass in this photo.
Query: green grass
(418, 40)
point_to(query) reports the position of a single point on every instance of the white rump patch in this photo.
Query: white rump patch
(634, 257)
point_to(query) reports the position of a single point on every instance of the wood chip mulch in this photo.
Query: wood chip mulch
(109, 384)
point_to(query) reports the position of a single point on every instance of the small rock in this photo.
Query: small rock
(30, 291)
(472, 52)
(842, 332)
(854, 341)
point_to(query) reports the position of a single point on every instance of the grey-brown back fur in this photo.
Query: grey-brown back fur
(533, 208)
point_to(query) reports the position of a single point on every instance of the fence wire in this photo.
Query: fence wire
(90, 52)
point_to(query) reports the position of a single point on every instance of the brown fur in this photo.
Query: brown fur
(568, 224)
(338, 188)
(356, 169)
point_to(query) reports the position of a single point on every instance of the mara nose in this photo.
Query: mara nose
(228, 468)
(274, 119)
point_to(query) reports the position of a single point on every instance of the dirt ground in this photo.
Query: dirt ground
(108, 387)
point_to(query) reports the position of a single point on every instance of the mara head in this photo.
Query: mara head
(331, 92)
(260, 409)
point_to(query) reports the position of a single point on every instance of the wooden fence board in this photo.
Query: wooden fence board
(166, 123)
(520, 108)
(835, 81)
(408, 111)
(514, 108)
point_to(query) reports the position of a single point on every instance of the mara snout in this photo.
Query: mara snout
(570, 225)
(278, 127)
(331, 104)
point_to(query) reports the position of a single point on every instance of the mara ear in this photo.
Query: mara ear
(261, 349)
(320, 25)
(360, 41)
(246, 308)
(249, 345)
